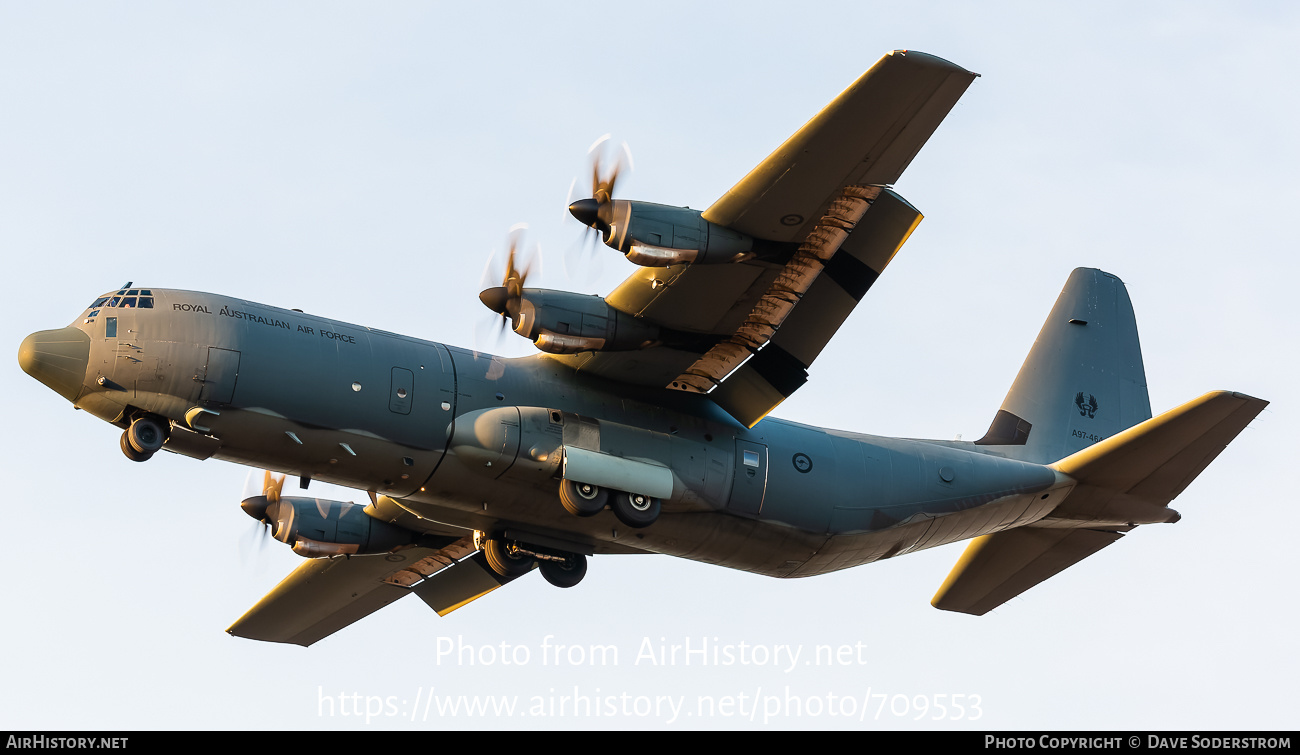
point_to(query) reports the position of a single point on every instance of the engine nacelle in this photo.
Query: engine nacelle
(560, 322)
(657, 235)
(316, 527)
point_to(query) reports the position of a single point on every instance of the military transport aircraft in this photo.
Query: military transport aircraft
(640, 428)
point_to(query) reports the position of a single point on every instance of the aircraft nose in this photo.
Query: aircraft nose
(57, 358)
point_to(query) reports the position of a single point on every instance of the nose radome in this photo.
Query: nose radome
(57, 358)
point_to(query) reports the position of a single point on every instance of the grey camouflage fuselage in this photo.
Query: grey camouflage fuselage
(373, 410)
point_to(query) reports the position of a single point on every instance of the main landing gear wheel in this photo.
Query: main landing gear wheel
(505, 560)
(566, 573)
(635, 510)
(582, 499)
(145, 435)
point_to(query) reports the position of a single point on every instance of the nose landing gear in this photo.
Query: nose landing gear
(143, 438)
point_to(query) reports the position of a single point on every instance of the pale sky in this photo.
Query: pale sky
(361, 161)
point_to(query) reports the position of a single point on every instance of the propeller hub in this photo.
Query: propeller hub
(587, 211)
(256, 506)
(495, 299)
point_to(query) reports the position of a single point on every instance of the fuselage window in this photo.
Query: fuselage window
(751, 458)
(110, 327)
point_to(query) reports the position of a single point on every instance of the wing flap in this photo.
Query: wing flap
(749, 390)
(466, 581)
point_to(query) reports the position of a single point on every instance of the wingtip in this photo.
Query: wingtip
(925, 58)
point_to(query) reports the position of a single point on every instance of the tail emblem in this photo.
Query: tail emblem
(1088, 407)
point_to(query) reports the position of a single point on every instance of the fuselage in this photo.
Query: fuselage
(325, 400)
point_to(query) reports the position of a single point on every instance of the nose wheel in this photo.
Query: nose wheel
(143, 438)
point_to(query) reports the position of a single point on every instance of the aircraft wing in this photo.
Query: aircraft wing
(867, 136)
(324, 595)
(754, 327)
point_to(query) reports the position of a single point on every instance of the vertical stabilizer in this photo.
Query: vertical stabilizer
(1083, 380)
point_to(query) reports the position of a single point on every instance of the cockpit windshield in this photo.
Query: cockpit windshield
(127, 298)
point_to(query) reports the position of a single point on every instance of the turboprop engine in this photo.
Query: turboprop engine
(657, 235)
(316, 527)
(561, 322)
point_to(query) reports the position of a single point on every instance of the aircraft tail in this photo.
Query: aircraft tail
(1122, 482)
(1083, 380)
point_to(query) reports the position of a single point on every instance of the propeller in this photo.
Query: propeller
(261, 503)
(597, 211)
(257, 502)
(506, 298)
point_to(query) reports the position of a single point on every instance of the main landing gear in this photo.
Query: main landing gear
(510, 558)
(633, 509)
(143, 438)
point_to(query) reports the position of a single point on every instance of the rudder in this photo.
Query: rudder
(1083, 380)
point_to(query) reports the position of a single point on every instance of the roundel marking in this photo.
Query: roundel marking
(802, 463)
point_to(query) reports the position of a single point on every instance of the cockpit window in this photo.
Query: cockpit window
(141, 298)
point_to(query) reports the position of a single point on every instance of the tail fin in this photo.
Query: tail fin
(1083, 380)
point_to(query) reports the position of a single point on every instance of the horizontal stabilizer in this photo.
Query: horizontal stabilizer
(324, 595)
(996, 568)
(467, 581)
(1156, 460)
